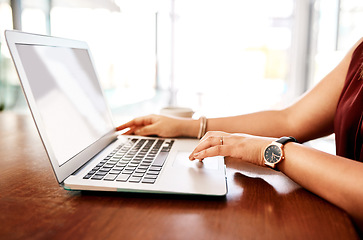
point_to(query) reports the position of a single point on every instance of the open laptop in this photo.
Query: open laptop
(74, 122)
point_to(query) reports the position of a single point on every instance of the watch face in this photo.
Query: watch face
(273, 154)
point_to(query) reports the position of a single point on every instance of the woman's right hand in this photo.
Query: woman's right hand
(161, 126)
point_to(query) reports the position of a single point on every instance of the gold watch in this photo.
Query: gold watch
(274, 152)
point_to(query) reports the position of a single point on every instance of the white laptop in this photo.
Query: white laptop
(74, 122)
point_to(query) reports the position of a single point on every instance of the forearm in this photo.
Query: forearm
(273, 123)
(336, 179)
(265, 123)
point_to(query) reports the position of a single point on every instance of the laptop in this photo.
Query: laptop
(74, 122)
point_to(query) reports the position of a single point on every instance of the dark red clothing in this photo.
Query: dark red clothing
(348, 126)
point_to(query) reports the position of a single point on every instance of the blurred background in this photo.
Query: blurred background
(218, 57)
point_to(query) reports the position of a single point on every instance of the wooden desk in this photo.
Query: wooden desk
(261, 203)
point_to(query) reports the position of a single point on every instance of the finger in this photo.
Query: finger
(129, 132)
(140, 121)
(208, 142)
(219, 150)
(146, 131)
(126, 125)
(209, 134)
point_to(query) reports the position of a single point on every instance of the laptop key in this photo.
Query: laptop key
(148, 180)
(138, 174)
(160, 159)
(130, 169)
(110, 177)
(118, 168)
(97, 177)
(88, 176)
(135, 179)
(123, 177)
(121, 165)
(155, 168)
(132, 165)
(151, 176)
(127, 171)
(113, 171)
(101, 173)
(105, 169)
(140, 170)
(153, 172)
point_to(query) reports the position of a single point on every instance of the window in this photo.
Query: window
(337, 27)
(232, 56)
(350, 26)
(219, 57)
(122, 41)
(7, 74)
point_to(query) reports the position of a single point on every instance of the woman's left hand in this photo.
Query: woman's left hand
(248, 148)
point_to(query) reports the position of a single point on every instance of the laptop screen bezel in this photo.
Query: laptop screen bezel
(61, 171)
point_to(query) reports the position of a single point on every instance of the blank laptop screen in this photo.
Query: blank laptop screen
(68, 97)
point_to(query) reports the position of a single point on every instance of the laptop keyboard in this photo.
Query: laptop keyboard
(137, 161)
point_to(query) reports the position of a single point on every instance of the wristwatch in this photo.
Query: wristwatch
(274, 152)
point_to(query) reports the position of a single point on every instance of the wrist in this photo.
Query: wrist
(202, 127)
(274, 153)
(189, 127)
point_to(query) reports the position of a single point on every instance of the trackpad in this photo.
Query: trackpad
(182, 160)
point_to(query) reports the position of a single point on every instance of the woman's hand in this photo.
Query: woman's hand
(161, 126)
(248, 148)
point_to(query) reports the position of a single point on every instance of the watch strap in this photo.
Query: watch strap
(285, 140)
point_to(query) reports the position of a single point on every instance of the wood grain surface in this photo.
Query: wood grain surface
(260, 204)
